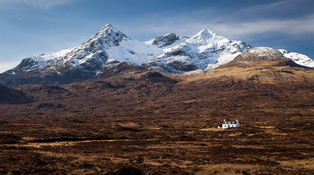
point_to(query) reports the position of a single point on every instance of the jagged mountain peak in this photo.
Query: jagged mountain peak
(108, 35)
(205, 33)
(108, 26)
(207, 37)
(108, 29)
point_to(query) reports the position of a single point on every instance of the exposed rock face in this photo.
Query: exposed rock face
(163, 41)
(156, 77)
(115, 67)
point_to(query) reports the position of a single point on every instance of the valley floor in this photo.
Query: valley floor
(145, 123)
(154, 146)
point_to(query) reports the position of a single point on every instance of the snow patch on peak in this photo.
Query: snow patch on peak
(208, 38)
(264, 52)
(39, 62)
(298, 58)
(133, 51)
(205, 33)
(108, 28)
(44, 60)
(259, 54)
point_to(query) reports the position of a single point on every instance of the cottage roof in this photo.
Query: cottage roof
(230, 122)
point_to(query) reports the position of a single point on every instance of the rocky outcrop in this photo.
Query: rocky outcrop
(163, 41)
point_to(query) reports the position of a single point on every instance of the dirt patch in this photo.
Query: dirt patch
(299, 164)
(229, 169)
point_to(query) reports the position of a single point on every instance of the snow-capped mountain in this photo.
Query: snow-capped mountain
(169, 54)
(202, 52)
(89, 59)
(91, 56)
(108, 43)
(110, 47)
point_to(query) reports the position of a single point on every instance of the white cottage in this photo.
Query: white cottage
(229, 124)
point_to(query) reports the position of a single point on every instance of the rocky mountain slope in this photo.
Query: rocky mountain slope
(110, 47)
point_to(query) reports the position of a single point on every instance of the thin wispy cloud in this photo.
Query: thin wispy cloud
(286, 6)
(300, 27)
(232, 25)
(43, 4)
(281, 6)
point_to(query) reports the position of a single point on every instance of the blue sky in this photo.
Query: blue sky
(31, 27)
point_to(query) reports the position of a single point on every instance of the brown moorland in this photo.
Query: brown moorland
(141, 122)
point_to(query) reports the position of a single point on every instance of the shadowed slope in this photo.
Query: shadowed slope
(12, 96)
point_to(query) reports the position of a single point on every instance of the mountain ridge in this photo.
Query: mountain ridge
(169, 54)
(203, 52)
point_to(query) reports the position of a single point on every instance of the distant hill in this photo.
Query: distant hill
(13, 96)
